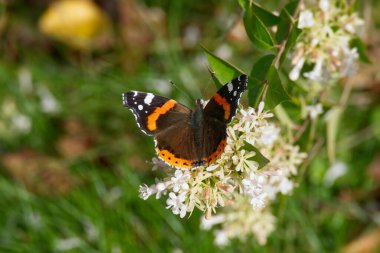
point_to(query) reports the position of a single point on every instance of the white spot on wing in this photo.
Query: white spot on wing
(138, 124)
(125, 102)
(230, 86)
(135, 93)
(140, 107)
(148, 99)
(235, 92)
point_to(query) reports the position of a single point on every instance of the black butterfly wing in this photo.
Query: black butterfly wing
(218, 112)
(223, 105)
(154, 113)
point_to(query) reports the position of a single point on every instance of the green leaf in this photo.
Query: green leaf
(256, 81)
(276, 93)
(256, 30)
(375, 119)
(263, 70)
(255, 90)
(224, 71)
(290, 43)
(283, 116)
(332, 130)
(261, 67)
(358, 43)
(268, 18)
(259, 158)
(286, 16)
(243, 3)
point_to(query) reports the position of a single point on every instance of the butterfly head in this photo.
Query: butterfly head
(199, 103)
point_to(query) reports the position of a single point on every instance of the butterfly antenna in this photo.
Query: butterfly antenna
(213, 77)
(187, 94)
(212, 72)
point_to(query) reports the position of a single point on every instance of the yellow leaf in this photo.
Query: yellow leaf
(74, 22)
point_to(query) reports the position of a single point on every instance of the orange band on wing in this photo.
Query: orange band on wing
(152, 118)
(174, 161)
(223, 102)
(217, 153)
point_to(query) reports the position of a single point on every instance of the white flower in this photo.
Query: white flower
(258, 202)
(112, 195)
(261, 113)
(242, 162)
(180, 180)
(233, 185)
(263, 226)
(324, 5)
(34, 219)
(206, 224)
(336, 170)
(224, 51)
(253, 187)
(145, 192)
(160, 187)
(285, 186)
(212, 167)
(348, 67)
(158, 164)
(191, 37)
(306, 19)
(92, 231)
(326, 45)
(68, 244)
(295, 72)
(316, 73)
(314, 110)
(270, 191)
(175, 202)
(49, 103)
(269, 134)
(221, 238)
(21, 123)
(161, 85)
(351, 22)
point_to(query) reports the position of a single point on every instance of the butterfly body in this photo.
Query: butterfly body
(186, 138)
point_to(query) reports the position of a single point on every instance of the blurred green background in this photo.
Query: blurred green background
(72, 158)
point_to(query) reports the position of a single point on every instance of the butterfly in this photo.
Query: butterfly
(186, 138)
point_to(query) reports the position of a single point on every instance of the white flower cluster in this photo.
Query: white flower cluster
(240, 220)
(13, 122)
(327, 30)
(238, 181)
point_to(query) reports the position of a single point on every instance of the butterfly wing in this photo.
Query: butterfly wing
(223, 105)
(213, 139)
(168, 121)
(154, 113)
(177, 147)
(178, 142)
(218, 112)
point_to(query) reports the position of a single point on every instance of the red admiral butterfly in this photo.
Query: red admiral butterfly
(186, 138)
